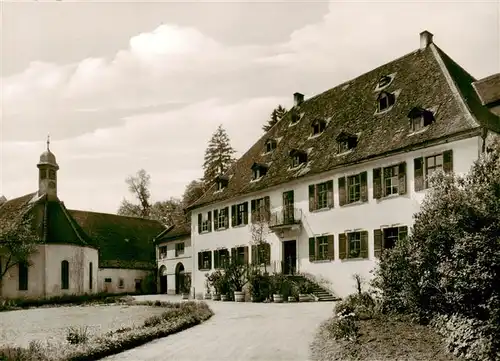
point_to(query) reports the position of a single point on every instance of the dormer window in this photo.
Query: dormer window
(271, 145)
(346, 142)
(295, 117)
(298, 157)
(259, 170)
(318, 126)
(385, 101)
(384, 81)
(420, 118)
(221, 182)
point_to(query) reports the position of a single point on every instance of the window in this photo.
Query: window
(389, 180)
(259, 170)
(261, 254)
(23, 276)
(205, 222)
(346, 142)
(318, 126)
(239, 214)
(387, 238)
(221, 182)
(52, 174)
(163, 252)
(417, 124)
(64, 275)
(298, 157)
(240, 254)
(420, 118)
(121, 283)
(260, 209)
(221, 258)
(205, 260)
(321, 248)
(321, 196)
(385, 101)
(43, 173)
(295, 117)
(270, 145)
(353, 188)
(107, 280)
(354, 244)
(221, 218)
(384, 81)
(179, 249)
(424, 167)
(91, 277)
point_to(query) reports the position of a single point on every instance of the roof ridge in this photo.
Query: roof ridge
(115, 215)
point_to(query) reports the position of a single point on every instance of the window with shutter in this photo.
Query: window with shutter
(377, 183)
(418, 169)
(322, 244)
(353, 188)
(312, 249)
(354, 245)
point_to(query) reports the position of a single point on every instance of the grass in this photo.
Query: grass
(79, 346)
(381, 339)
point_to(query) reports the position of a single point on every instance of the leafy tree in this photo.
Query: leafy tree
(17, 243)
(259, 230)
(450, 264)
(275, 116)
(194, 190)
(218, 156)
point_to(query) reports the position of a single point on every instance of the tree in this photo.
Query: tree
(259, 229)
(138, 185)
(450, 263)
(274, 118)
(168, 212)
(17, 243)
(218, 156)
(194, 190)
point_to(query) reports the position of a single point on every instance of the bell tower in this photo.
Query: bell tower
(47, 173)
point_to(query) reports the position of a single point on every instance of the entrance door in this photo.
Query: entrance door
(163, 280)
(288, 207)
(289, 257)
(179, 278)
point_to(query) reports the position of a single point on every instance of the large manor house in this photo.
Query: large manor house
(336, 181)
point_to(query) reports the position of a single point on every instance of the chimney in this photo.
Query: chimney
(425, 39)
(298, 99)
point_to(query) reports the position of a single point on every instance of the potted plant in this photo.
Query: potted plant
(294, 293)
(237, 275)
(258, 284)
(207, 295)
(186, 285)
(224, 286)
(304, 289)
(278, 280)
(214, 280)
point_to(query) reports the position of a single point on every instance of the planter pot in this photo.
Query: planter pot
(185, 296)
(291, 299)
(239, 296)
(208, 296)
(278, 298)
(224, 297)
(304, 298)
(216, 297)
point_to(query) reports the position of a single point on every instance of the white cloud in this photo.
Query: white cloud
(102, 108)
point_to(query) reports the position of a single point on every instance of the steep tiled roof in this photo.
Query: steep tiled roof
(425, 78)
(51, 222)
(177, 231)
(124, 242)
(488, 89)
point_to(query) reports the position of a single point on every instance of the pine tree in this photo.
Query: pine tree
(218, 156)
(275, 116)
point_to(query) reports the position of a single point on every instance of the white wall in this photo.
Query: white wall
(367, 216)
(170, 261)
(128, 275)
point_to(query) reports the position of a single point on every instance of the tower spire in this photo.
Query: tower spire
(48, 141)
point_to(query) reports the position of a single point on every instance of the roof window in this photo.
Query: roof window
(298, 157)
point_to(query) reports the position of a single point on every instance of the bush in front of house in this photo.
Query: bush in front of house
(177, 317)
(449, 267)
(259, 284)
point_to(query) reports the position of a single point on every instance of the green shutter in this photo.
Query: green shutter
(226, 223)
(364, 186)
(233, 215)
(216, 219)
(216, 258)
(402, 233)
(342, 192)
(377, 183)
(329, 186)
(252, 210)
(200, 260)
(312, 249)
(245, 255)
(377, 242)
(210, 260)
(210, 221)
(364, 244)
(312, 197)
(267, 208)
(245, 215)
(199, 222)
(402, 178)
(233, 255)
(448, 161)
(418, 168)
(342, 246)
(331, 249)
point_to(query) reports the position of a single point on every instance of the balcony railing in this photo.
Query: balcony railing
(285, 217)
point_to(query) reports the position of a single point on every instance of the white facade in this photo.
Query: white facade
(172, 262)
(122, 280)
(374, 214)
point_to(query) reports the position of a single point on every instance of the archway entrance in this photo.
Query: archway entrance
(179, 277)
(163, 279)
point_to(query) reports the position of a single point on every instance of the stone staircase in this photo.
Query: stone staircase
(321, 294)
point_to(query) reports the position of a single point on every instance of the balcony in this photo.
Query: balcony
(285, 218)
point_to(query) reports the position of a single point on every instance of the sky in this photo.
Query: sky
(122, 86)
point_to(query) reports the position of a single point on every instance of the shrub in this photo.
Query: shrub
(360, 304)
(153, 321)
(344, 327)
(259, 284)
(33, 352)
(77, 335)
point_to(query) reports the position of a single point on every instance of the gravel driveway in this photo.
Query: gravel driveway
(22, 326)
(239, 331)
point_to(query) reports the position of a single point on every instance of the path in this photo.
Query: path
(239, 331)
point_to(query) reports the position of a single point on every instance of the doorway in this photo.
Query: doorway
(290, 257)
(179, 277)
(163, 279)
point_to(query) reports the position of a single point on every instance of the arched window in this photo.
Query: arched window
(64, 275)
(90, 276)
(23, 276)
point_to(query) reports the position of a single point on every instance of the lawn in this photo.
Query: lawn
(51, 324)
